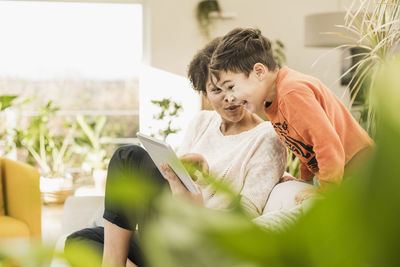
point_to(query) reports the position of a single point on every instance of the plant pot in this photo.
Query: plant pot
(99, 178)
(55, 190)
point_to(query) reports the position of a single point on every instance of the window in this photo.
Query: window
(83, 56)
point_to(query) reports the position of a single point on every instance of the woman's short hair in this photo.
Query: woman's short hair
(198, 72)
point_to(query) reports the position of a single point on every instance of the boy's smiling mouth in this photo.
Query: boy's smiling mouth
(247, 106)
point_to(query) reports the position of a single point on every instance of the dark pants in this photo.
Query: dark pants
(127, 162)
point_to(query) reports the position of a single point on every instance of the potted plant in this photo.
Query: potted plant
(6, 101)
(205, 12)
(169, 110)
(278, 52)
(9, 105)
(374, 28)
(49, 152)
(91, 144)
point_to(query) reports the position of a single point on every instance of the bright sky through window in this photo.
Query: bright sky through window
(42, 40)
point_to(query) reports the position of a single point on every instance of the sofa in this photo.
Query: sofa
(20, 202)
(80, 212)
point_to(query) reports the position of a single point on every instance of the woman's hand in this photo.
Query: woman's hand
(177, 188)
(196, 159)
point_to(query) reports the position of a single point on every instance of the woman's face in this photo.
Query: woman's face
(224, 102)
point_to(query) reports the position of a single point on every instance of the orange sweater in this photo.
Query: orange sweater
(315, 125)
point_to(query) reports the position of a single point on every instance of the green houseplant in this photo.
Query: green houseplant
(373, 27)
(6, 101)
(51, 153)
(46, 150)
(9, 104)
(91, 144)
(169, 110)
(90, 141)
(278, 51)
(204, 11)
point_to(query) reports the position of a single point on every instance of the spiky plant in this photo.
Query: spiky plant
(374, 27)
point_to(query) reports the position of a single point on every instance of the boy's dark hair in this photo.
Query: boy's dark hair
(198, 71)
(239, 50)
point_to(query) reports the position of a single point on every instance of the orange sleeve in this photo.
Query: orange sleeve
(305, 115)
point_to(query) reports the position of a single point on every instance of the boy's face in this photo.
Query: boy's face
(249, 91)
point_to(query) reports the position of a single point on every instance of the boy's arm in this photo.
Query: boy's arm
(306, 116)
(305, 173)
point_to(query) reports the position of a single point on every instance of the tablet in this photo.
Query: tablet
(161, 152)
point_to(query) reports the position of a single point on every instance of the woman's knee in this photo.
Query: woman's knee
(132, 162)
(125, 159)
(129, 152)
(88, 236)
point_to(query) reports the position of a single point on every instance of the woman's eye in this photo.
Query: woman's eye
(216, 90)
(231, 87)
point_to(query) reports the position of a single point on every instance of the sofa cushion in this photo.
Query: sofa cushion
(2, 211)
(283, 195)
(10, 227)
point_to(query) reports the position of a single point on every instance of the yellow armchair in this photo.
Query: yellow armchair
(20, 202)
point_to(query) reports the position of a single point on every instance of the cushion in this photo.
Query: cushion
(10, 227)
(282, 196)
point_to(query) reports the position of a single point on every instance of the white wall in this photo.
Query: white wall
(175, 37)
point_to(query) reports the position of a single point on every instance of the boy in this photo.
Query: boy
(306, 115)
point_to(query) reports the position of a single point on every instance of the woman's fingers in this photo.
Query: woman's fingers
(176, 185)
(168, 173)
(173, 180)
(199, 197)
(204, 166)
(196, 159)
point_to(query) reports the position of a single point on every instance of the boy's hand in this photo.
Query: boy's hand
(177, 188)
(287, 178)
(305, 194)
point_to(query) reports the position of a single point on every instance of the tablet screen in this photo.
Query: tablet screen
(161, 152)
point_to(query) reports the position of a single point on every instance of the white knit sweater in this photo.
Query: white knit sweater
(251, 162)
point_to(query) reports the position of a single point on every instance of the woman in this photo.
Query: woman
(238, 147)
